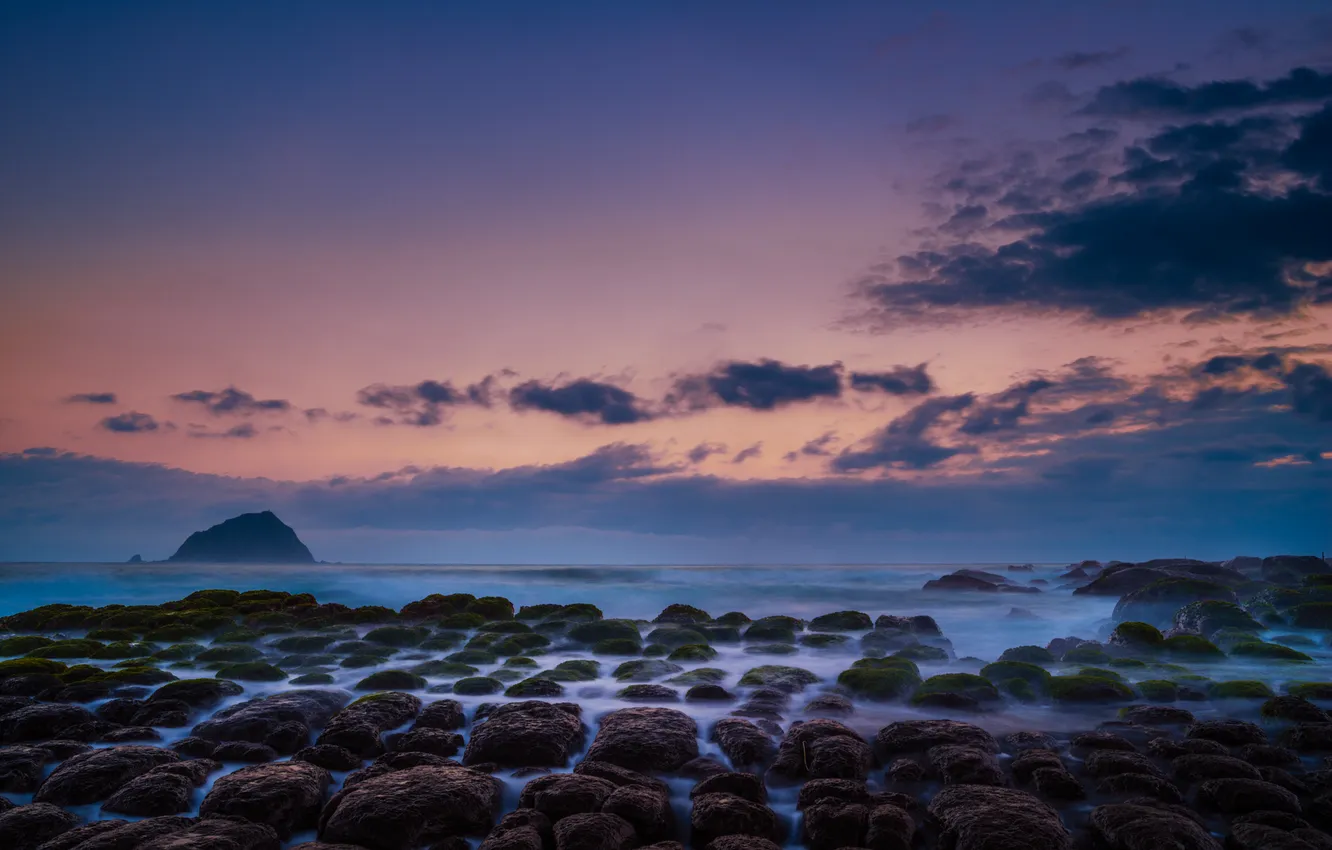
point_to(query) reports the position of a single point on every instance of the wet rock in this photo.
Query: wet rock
(169, 713)
(559, 795)
(830, 705)
(600, 831)
(905, 770)
(742, 842)
(1241, 796)
(1266, 755)
(522, 829)
(1308, 737)
(1101, 741)
(200, 693)
(97, 774)
(620, 777)
(1157, 715)
(702, 767)
(1285, 779)
(1103, 763)
(28, 827)
(21, 768)
(526, 734)
(128, 734)
(427, 740)
(359, 726)
(708, 692)
(196, 771)
(217, 833)
(917, 736)
(1016, 742)
(1252, 836)
(977, 817)
(1232, 733)
(889, 827)
(1140, 785)
(1166, 748)
(749, 786)
(446, 714)
(1029, 761)
(282, 721)
(329, 757)
(646, 739)
(42, 722)
(965, 766)
(284, 795)
(1124, 826)
(822, 749)
(244, 751)
(717, 815)
(830, 824)
(1056, 783)
(1292, 708)
(1196, 768)
(648, 811)
(151, 795)
(194, 748)
(407, 808)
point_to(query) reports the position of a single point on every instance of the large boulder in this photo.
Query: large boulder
(360, 726)
(594, 831)
(42, 722)
(410, 808)
(559, 795)
(1291, 569)
(28, 827)
(716, 815)
(215, 833)
(1157, 602)
(1207, 617)
(743, 743)
(1142, 827)
(282, 721)
(118, 834)
(917, 736)
(646, 739)
(97, 774)
(978, 817)
(965, 766)
(527, 734)
(822, 749)
(21, 768)
(284, 795)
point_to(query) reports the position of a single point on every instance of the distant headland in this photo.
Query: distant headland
(248, 538)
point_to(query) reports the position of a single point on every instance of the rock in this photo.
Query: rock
(200, 693)
(446, 714)
(1017, 742)
(1140, 785)
(1308, 737)
(259, 538)
(1029, 761)
(832, 705)
(284, 795)
(1208, 617)
(244, 751)
(822, 749)
(42, 722)
(435, 741)
(829, 824)
(717, 815)
(708, 693)
(618, 776)
(1166, 748)
(1194, 768)
(526, 734)
(964, 580)
(408, 808)
(1103, 763)
(1056, 783)
(97, 774)
(359, 726)
(648, 811)
(743, 743)
(522, 829)
(151, 795)
(646, 739)
(1232, 733)
(745, 785)
(742, 842)
(559, 795)
(889, 827)
(1241, 796)
(977, 817)
(28, 827)
(195, 748)
(21, 768)
(1253, 836)
(1297, 709)
(600, 831)
(1156, 715)
(965, 765)
(1266, 755)
(1291, 569)
(217, 833)
(1139, 827)
(1102, 741)
(1157, 602)
(282, 721)
(917, 736)
(329, 757)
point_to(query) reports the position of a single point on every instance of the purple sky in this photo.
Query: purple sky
(653, 282)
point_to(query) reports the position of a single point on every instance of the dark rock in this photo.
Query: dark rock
(1297, 709)
(169, 713)
(702, 767)
(1195, 768)
(965, 766)
(329, 757)
(1157, 715)
(200, 693)
(97, 774)
(749, 786)
(28, 827)
(128, 734)
(1266, 755)
(1016, 742)
(742, 842)
(1056, 783)
(217, 833)
(1029, 761)
(1124, 826)
(600, 831)
(195, 748)
(1140, 785)
(446, 714)
(21, 768)
(1232, 733)
(822, 749)
(648, 811)
(244, 751)
(717, 815)
(1166, 748)
(645, 739)
(905, 770)
(1103, 763)
(285, 795)
(620, 777)
(1241, 796)
(831, 705)
(978, 817)
(42, 722)
(282, 721)
(559, 795)
(407, 808)
(523, 829)
(259, 538)
(526, 734)
(359, 726)
(427, 740)
(889, 827)
(1102, 741)
(151, 795)
(1308, 737)
(917, 736)
(1252, 836)
(830, 824)
(708, 693)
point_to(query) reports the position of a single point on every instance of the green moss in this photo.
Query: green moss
(674, 636)
(965, 684)
(1128, 663)
(304, 643)
(477, 686)
(1086, 654)
(74, 648)
(1021, 690)
(575, 670)
(603, 630)
(175, 632)
(124, 649)
(732, 618)
(397, 636)
(492, 608)
(1241, 689)
(656, 650)
(521, 644)
(230, 653)
(1088, 689)
(578, 612)
(1029, 654)
(81, 673)
(1158, 690)
(1137, 635)
(137, 676)
(645, 670)
(699, 676)
(771, 649)
(112, 634)
(441, 641)
(179, 651)
(505, 627)
(535, 687)
(841, 621)
(921, 652)
(443, 669)
(473, 656)
(1272, 651)
(520, 661)
(241, 635)
(30, 667)
(313, 659)
(779, 676)
(1001, 672)
(23, 644)
(823, 640)
(59, 615)
(373, 614)
(461, 620)
(617, 646)
(1191, 646)
(1307, 690)
(693, 652)
(679, 613)
(721, 634)
(1312, 615)
(540, 611)
(251, 671)
(771, 630)
(313, 679)
(1100, 671)
(391, 680)
(879, 683)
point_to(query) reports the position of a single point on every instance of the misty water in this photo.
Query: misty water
(978, 626)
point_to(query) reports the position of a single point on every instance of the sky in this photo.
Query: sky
(668, 282)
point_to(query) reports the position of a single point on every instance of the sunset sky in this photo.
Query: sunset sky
(668, 282)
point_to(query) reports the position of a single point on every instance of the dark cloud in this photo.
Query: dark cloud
(905, 443)
(583, 399)
(1311, 153)
(817, 447)
(243, 431)
(703, 451)
(92, 398)
(1004, 410)
(320, 414)
(748, 453)
(1077, 60)
(132, 422)
(422, 404)
(763, 385)
(1311, 391)
(1156, 97)
(232, 401)
(900, 380)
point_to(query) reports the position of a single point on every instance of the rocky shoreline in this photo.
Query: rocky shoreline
(266, 719)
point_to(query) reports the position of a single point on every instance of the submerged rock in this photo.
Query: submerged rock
(409, 808)
(646, 739)
(975, 817)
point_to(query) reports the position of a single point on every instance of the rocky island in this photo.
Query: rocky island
(248, 538)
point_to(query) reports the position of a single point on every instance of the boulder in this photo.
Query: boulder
(647, 809)
(1231, 733)
(216, 833)
(408, 808)
(917, 736)
(822, 749)
(151, 795)
(559, 795)
(599, 831)
(522, 829)
(1241, 796)
(284, 795)
(978, 817)
(743, 743)
(958, 765)
(21, 768)
(1140, 827)
(716, 815)
(526, 734)
(359, 726)
(28, 827)
(42, 722)
(830, 824)
(646, 739)
(97, 774)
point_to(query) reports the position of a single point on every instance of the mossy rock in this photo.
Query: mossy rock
(540, 611)
(1191, 646)
(59, 615)
(251, 671)
(1207, 616)
(179, 651)
(1294, 640)
(81, 673)
(212, 598)
(879, 684)
(921, 652)
(1128, 663)
(473, 656)
(112, 634)
(441, 641)
(461, 620)
(699, 676)
(645, 670)
(313, 679)
(1088, 653)
(520, 661)
(1158, 690)
(680, 613)
(617, 646)
(23, 644)
(771, 649)
(770, 630)
(304, 643)
(241, 635)
(526, 644)
(574, 670)
(1028, 654)
(360, 647)
(597, 631)
(963, 684)
(1003, 671)
(1272, 651)
(722, 634)
(492, 608)
(1101, 672)
(656, 650)
(1136, 635)
(732, 618)
(124, 649)
(578, 612)
(1240, 689)
(137, 676)
(368, 614)
(1312, 615)
(313, 659)
(1088, 689)
(443, 669)
(841, 621)
(30, 667)
(135, 662)
(674, 636)
(779, 676)
(397, 636)
(175, 633)
(73, 648)
(823, 640)
(477, 686)
(505, 627)
(232, 653)
(1021, 690)
(535, 687)
(391, 680)
(692, 652)
(1307, 690)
